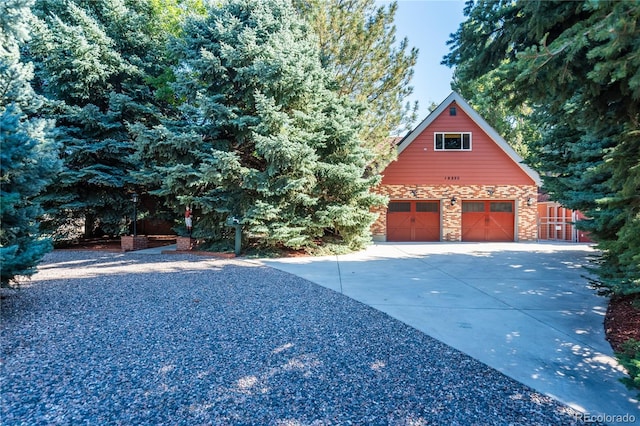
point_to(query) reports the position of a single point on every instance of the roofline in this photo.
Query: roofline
(490, 131)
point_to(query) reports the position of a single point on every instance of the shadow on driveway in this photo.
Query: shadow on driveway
(524, 309)
(140, 339)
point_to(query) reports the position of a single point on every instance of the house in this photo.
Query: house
(557, 223)
(457, 179)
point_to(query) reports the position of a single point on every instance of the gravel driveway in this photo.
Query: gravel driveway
(110, 338)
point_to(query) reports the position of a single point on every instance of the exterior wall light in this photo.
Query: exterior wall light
(454, 200)
(530, 201)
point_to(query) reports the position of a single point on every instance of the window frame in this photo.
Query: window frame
(499, 207)
(427, 206)
(473, 206)
(462, 148)
(397, 204)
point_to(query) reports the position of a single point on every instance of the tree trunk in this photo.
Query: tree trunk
(89, 222)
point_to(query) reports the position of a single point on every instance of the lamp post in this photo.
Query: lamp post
(134, 198)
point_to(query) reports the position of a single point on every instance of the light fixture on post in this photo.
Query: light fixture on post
(134, 199)
(454, 200)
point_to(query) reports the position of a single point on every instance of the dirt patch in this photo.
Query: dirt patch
(113, 244)
(622, 321)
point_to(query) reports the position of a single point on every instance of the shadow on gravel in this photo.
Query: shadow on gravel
(121, 339)
(526, 310)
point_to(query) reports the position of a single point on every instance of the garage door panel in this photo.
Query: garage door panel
(488, 221)
(473, 217)
(413, 221)
(427, 229)
(401, 231)
(399, 226)
(501, 221)
(427, 221)
(500, 227)
(399, 221)
(473, 227)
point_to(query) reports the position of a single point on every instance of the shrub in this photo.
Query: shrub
(630, 359)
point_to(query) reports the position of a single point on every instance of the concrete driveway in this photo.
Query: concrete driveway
(524, 309)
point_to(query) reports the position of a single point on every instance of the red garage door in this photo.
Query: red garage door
(487, 221)
(413, 221)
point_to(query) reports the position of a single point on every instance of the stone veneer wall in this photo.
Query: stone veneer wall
(451, 215)
(130, 243)
(184, 243)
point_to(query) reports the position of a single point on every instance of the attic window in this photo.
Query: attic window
(450, 141)
(452, 111)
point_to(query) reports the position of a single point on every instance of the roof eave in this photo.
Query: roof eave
(490, 131)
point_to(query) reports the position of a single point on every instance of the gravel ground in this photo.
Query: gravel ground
(107, 338)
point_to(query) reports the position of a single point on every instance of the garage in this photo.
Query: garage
(413, 221)
(452, 156)
(488, 220)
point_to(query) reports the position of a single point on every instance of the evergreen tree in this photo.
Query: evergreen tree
(94, 61)
(514, 122)
(576, 65)
(27, 160)
(261, 135)
(358, 46)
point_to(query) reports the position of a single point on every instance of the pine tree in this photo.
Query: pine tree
(575, 64)
(358, 46)
(261, 135)
(27, 159)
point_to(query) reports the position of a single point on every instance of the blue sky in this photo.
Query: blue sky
(427, 24)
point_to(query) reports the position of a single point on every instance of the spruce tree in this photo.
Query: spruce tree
(94, 62)
(27, 154)
(261, 135)
(576, 65)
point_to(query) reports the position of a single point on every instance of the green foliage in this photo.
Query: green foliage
(27, 155)
(26, 166)
(237, 118)
(575, 64)
(512, 121)
(168, 17)
(170, 14)
(95, 172)
(629, 358)
(260, 135)
(94, 61)
(358, 46)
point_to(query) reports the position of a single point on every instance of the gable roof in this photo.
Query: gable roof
(490, 131)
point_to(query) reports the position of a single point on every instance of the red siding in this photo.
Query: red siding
(557, 223)
(485, 164)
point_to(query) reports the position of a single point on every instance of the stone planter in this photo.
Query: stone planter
(130, 243)
(184, 243)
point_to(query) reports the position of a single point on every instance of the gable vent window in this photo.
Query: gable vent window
(450, 141)
(452, 111)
